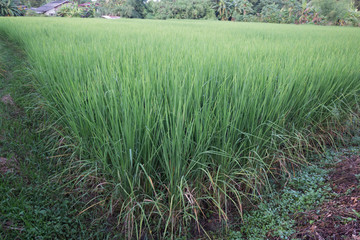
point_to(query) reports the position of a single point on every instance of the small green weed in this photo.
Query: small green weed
(36, 211)
(275, 216)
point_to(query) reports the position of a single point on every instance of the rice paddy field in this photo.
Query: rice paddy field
(184, 121)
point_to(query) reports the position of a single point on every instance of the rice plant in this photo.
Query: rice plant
(187, 119)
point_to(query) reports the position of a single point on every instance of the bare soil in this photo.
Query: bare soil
(8, 165)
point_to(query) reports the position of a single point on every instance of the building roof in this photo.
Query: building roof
(49, 6)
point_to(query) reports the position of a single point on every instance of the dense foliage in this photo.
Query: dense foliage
(334, 12)
(74, 10)
(70, 10)
(279, 11)
(179, 122)
(9, 8)
(181, 9)
(123, 8)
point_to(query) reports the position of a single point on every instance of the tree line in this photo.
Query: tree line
(339, 12)
(336, 12)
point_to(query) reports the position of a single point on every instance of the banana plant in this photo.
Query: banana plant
(224, 9)
(8, 8)
(243, 6)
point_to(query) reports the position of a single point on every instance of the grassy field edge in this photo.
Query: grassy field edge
(34, 203)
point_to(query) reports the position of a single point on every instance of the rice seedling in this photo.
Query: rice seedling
(187, 119)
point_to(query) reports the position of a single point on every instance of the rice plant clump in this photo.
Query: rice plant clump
(185, 120)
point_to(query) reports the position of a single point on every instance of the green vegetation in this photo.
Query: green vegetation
(275, 217)
(123, 8)
(337, 12)
(33, 205)
(279, 214)
(177, 122)
(182, 9)
(73, 10)
(325, 12)
(9, 8)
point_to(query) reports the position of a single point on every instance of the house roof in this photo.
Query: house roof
(50, 6)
